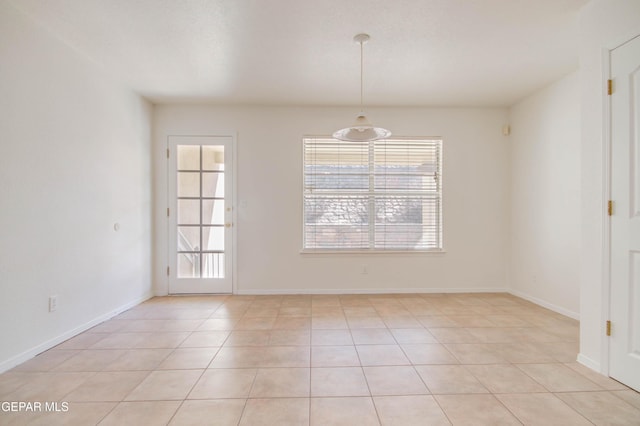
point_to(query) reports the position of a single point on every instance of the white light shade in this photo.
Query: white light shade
(361, 131)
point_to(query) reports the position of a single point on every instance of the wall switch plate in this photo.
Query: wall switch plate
(53, 303)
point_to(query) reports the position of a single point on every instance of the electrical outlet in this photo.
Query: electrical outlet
(53, 303)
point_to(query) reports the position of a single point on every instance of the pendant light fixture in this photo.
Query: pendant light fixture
(362, 130)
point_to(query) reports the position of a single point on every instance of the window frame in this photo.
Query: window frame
(371, 194)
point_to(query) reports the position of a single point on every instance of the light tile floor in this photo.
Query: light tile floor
(462, 359)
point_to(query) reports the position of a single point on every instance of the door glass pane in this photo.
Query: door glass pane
(213, 157)
(188, 212)
(188, 265)
(188, 157)
(213, 265)
(213, 212)
(213, 184)
(213, 238)
(188, 184)
(188, 238)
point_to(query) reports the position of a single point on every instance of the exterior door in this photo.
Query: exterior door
(624, 357)
(200, 214)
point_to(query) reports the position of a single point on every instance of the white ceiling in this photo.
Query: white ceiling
(301, 52)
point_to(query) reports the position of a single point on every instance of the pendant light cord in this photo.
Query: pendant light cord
(361, 74)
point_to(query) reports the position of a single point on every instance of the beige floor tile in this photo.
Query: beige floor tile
(471, 321)
(402, 322)
(326, 311)
(475, 410)
(436, 321)
(365, 322)
(12, 380)
(165, 385)
(290, 337)
(373, 336)
(256, 323)
(111, 326)
(224, 383)
(331, 337)
(542, 409)
(268, 356)
(450, 379)
(453, 335)
(429, 353)
(107, 386)
(261, 312)
(524, 352)
(394, 381)
(276, 411)
(216, 412)
(504, 378)
(188, 359)
(476, 353)
(90, 360)
(413, 410)
(602, 408)
(294, 311)
(118, 341)
(600, 379)
(281, 382)
(205, 339)
(360, 311)
(334, 356)
(218, 324)
(381, 355)
(329, 323)
(78, 413)
(558, 377)
(50, 386)
(630, 396)
(47, 361)
(138, 359)
(82, 341)
(343, 412)
(248, 338)
(338, 381)
(412, 335)
(141, 413)
(162, 340)
(292, 323)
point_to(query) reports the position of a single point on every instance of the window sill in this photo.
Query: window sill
(375, 252)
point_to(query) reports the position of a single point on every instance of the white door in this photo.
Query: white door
(624, 357)
(200, 214)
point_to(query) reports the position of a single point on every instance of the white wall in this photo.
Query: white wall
(604, 24)
(269, 227)
(75, 160)
(545, 196)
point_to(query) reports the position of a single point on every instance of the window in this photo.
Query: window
(381, 195)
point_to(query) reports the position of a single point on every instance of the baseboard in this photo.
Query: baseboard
(588, 362)
(544, 304)
(304, 291)
(27, 355)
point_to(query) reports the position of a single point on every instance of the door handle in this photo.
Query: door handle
(227, 225)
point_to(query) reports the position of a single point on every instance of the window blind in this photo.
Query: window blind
(380, 195)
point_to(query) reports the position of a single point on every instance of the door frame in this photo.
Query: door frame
(607, 148)
(234, 204)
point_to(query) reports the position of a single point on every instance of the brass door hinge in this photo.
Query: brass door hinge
(610, 208)
(167, 152)
(167, 211)
(168, 271)
(608, 328)
(609, 87)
